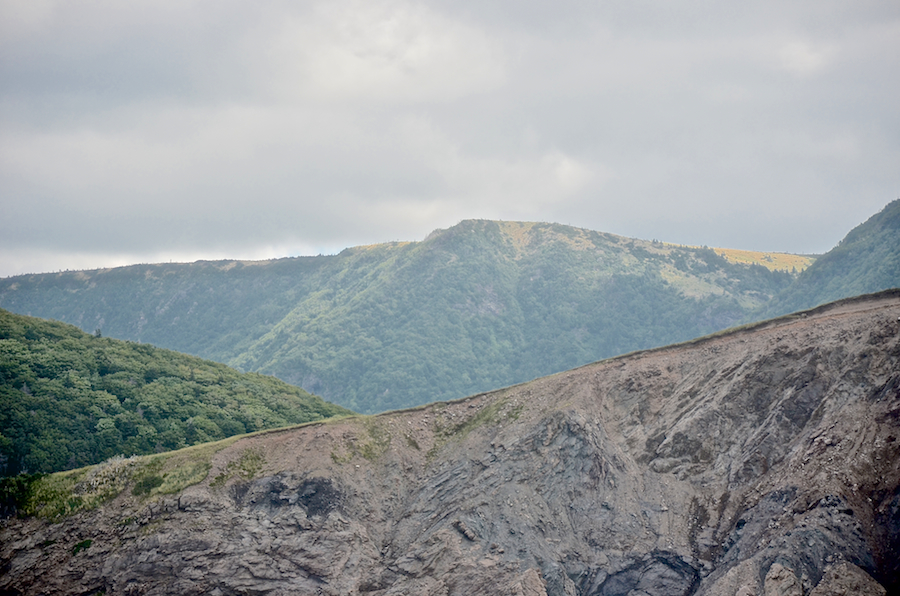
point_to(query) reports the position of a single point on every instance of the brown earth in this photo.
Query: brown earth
(761, 461)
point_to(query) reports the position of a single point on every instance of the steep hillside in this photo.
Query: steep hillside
(866, 260)
(478, 306)
(68, 399)
(760, 461)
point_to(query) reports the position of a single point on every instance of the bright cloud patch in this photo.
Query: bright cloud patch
(383, 51)
(803, 58)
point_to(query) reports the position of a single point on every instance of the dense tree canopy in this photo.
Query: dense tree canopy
(69, 399)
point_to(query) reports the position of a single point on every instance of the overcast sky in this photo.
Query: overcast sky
(157, 130)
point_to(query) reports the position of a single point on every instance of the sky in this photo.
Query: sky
(164, 130)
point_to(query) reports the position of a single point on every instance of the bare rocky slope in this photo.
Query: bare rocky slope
(760, 461)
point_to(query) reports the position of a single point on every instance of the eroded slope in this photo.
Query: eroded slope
(760, 461)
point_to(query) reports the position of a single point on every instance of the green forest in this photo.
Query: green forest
(478, 306)
(69, 399)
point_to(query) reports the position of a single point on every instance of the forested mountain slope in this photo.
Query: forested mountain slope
(68, 399)
(756, 462)
(867, 260)
(481, 305)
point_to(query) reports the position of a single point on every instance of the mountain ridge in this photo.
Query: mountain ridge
(756, 461)
(481, 305)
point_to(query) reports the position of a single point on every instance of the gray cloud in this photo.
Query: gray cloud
(179, 130)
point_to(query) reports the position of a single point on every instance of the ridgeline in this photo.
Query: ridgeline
(478, 306)
(755, 462)
(481, 305)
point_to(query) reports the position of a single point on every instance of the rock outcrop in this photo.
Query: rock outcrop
(762, 461)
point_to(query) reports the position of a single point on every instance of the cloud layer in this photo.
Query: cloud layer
(146, 131)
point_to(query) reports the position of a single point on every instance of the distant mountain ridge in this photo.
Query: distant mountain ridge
(481, 305)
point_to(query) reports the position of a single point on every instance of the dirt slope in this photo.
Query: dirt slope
(762, 461)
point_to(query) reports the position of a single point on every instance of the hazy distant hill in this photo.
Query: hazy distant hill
(867, 260)
(68, 399)
(481, 305)
(487, 304)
